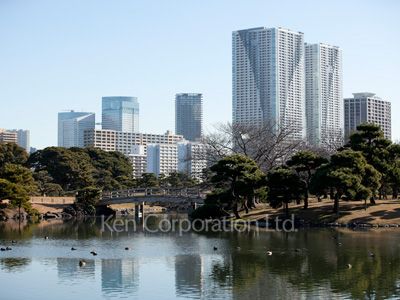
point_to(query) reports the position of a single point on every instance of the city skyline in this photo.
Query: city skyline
(69, 67)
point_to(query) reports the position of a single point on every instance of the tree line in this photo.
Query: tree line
(80, 172)
(365, 168)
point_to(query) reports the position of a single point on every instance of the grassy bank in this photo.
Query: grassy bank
(384, 212)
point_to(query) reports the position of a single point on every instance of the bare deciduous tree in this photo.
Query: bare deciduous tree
(268, 145)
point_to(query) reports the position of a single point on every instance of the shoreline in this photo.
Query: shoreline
(353, 214)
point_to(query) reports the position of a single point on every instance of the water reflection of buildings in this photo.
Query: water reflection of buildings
(119, 275)
(69, 269)
(194, 276)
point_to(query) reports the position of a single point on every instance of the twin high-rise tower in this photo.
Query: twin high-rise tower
(268, 78)
(323, 97)
(277, 79)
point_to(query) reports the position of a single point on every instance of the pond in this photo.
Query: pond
(138, 264)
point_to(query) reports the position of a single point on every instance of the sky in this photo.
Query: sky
(58, 55)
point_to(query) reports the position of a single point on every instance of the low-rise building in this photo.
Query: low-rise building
(111, 140)
(7, 136)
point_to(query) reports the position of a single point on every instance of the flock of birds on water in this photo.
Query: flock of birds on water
(82, 262)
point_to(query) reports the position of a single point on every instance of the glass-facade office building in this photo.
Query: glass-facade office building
(189, 115)
(71, 127)
(120, 114)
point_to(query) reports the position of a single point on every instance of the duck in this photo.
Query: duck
(349, 266)
(215, 248)
(94, 253)
(46, 237)
(73, 249)
(8, 248)
(82, 263)
(269, 253)
(372, 254)
(127, 248)
(13, 242)
(2, 249)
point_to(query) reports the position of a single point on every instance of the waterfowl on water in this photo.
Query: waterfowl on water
(73, 249)
(269, 253)
(82, 263)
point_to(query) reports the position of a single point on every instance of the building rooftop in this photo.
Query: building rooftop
(363, 95)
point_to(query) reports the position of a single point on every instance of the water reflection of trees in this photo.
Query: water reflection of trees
(71, 229)
(308, 260)
(11, 264)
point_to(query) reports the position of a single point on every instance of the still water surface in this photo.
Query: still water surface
(308, 264)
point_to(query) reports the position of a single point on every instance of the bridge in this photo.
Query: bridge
(153, 195)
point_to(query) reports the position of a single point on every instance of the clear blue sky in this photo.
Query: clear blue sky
(66, 54)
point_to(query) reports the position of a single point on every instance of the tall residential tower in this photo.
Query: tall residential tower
(268, 78)
(120, 114)
(324, 100)
(189, 116)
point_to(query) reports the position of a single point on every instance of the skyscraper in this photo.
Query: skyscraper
(189, 115)
(367, 108)
(268, 78)
(71, 127)
(324, 104)
(120, 114)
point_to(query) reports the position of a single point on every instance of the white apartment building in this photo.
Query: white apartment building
(192, 159)
(162, 158)
(367, 108)
(268, 78)
(111, 140)
(71, 128)
(324, 104)
(138, 158)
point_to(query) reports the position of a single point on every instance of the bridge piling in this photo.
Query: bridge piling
(139, 210)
